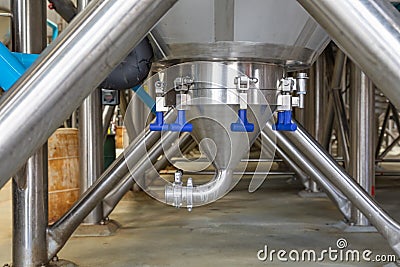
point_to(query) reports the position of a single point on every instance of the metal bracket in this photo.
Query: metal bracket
(183, 84)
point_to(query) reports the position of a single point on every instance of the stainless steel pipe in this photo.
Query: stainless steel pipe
(298, 156)
(30, 212)
(90, 142)
(314, 107)
(313, 151)
(368, 31)
(300, 174)
(29, 187)
(91, 148)
(59, 232)
(362, 110)
(68, 71)
(113, 198)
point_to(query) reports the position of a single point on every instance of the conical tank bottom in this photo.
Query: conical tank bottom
(212, 130)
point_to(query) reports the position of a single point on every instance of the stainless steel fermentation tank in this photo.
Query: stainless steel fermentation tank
(215, 43)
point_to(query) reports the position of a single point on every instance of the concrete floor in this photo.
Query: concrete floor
(229, 232)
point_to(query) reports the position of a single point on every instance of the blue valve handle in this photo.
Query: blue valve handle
(181, 125)
(285, 122)
(159, 124)
(242, 125)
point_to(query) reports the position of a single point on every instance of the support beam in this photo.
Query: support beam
(91, 148)
(315, 107)
(300, 174)
(68, 71)
(362, 110)
(90, 142)
(60, 231)
(368, 31)
(340, 60)
(313, 151)
(29, 187)
(298, 156)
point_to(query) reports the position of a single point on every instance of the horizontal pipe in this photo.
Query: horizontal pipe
(288, 173)
(368, 32)
(67, 72)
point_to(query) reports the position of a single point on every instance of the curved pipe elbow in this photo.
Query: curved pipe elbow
(185, 196)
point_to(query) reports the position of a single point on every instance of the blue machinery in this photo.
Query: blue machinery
(14, 64)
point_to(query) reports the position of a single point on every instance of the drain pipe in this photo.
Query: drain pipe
(191, 196)
(368, 31)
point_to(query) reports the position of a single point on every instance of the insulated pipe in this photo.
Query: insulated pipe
(67, 72)
(368, 31)
(298, 156)
(65, 8)
(133, 70)
(313, 151)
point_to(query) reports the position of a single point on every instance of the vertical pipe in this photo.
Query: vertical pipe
(134, 119)
(90, 142)
(362, 136)
(29, 187)
(30, 212)
(91, 148)
(314, 103)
